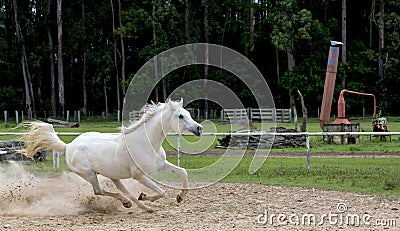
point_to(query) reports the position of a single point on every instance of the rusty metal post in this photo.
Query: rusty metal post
(329, 86)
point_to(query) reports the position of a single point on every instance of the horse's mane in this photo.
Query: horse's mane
(149, 110)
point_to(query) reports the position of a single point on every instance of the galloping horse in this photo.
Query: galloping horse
(134, 153)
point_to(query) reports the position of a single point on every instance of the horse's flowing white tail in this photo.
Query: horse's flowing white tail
(41, 136)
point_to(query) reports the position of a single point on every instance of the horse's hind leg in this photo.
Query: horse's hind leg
(121, 187)
(91, 177)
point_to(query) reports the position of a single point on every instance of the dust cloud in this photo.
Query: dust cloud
(24, 194)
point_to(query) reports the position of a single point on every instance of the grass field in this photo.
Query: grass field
(364, 175)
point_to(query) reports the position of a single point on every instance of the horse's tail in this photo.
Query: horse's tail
(41, 136)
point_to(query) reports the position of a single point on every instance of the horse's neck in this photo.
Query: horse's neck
(153, 131)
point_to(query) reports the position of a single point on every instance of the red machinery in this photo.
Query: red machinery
(329, 86)
(342, 119)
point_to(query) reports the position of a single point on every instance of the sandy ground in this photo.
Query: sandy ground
(67, 203)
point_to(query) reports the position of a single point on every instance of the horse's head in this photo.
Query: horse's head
(181, 121)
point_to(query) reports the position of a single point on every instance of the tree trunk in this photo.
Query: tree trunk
(304, 110)
(122, 50)
(278, 75)
(60, 60)
(381, 38)
(371, 20)
(105, 95)
(291, 64)
(84, 71)
(251, 26)
(187, 20)
(53, 102)
(29, 101)
(115, 57)
(344, 40)
(155, 64)
(205, 3)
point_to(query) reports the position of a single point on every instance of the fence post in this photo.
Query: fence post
(67, 116)
(56, 159)
(5, 118)
(308, 152)
(179, 149)
(118, 115)
(79, 116)
(22, 116)
(274, 115)
(16, 117)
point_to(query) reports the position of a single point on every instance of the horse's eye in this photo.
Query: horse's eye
(180, 116)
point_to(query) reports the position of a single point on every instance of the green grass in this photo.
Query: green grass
(363, 175)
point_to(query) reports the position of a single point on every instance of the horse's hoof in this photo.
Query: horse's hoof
(127, 204)
(179, 198)
(142, 197)
(150, 210)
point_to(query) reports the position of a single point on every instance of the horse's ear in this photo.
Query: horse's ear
(170, 103)
(181, 102)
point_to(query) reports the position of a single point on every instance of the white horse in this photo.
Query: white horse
(134, 153)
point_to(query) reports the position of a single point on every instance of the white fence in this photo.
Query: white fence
(263, 114)
(306, 134)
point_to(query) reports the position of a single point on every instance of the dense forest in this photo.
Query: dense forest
(81, 55)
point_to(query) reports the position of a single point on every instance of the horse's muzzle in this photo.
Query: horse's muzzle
(197, 130)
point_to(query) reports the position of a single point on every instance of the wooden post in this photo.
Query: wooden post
(118, 115)
(295, 119)
(67, 116)
(16, 117)
(5, 118)
(79, 116)
(22, 116)
(304, 110)
(56, 159)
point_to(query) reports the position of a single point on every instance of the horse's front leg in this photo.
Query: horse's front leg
(168, 167)
(146, 181)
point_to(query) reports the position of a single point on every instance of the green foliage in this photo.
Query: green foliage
(150, 27)
(363, 175)
(290, 24)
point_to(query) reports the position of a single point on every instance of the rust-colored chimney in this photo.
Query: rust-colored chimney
(329, 86)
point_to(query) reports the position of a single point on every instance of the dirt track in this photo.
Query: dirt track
(67, 203)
